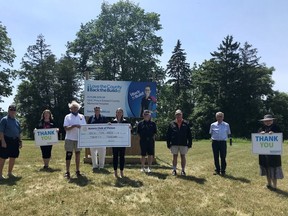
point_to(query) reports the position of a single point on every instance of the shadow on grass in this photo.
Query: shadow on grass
(81, 181)
(101, 171)
(281, 192)
(157, 174)
(193, 178)
(10, 181)
(49, 170)
(127, 182)
(244, 180)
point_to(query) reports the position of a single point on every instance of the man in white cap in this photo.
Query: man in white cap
(72, 123)
(100, 151)
(179, 139)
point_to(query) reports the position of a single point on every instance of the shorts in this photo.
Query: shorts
(182, 149)
(71, 145)
(147, 147)
(12, 149)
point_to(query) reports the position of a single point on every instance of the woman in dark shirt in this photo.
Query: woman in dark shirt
(270, 165)
(119, 151)
(46, 122)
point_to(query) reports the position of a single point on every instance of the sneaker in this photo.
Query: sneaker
(67, 175)
(142, 170)
(174, 173)
(216, 173)
(149, 170)
(78, 174)
(183, 173)
(11, 175)
(2, 177)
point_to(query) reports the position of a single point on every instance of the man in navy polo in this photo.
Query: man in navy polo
(147, 130)
(100, 151)
(10, 140)
(219, 131)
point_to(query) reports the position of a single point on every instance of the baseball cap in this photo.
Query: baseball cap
(178, 112)
(146, 112)
(12, 107)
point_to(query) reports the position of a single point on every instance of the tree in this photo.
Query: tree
(120, 44)
(179, 74)
(277, 104)
(7, 57)
(234, 82)
(46, 84)
(35, 91)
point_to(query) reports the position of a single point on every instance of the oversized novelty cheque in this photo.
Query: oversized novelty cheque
(267, 144)
(45, 137)
(104, 135)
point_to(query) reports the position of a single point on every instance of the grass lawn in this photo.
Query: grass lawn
(241, 192)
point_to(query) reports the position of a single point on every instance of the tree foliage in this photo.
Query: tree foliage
(120, 44)
(46, 84)
(277, 104)
(7, 56)
(234, 82)
(176, 93)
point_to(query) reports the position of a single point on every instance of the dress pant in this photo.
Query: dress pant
(101, 152)
(219, 148)
(118, 152)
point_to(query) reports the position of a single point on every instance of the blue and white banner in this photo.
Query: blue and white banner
(132, 97)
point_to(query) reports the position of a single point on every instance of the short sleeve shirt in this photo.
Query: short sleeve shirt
(71, 119)
(220, 131)
(10, 127)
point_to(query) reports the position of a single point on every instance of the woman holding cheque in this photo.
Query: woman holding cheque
(119, 151)
(270, 165)
(46, 122)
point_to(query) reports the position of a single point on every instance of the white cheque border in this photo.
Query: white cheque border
(104, 135)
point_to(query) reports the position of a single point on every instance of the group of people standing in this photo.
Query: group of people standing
(179, 141)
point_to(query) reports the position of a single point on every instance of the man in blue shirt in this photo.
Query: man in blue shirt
(219, 131)
(10, 140)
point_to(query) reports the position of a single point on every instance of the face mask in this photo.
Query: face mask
(75, 113)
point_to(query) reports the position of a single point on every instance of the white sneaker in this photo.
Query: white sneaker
(149, 170)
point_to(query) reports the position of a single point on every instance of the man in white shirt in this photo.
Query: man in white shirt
(72, 123)
(219, 131)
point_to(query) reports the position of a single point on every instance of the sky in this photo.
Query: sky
(200, 25)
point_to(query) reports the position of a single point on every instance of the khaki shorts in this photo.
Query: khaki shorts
(71, 145)
(182, 149)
